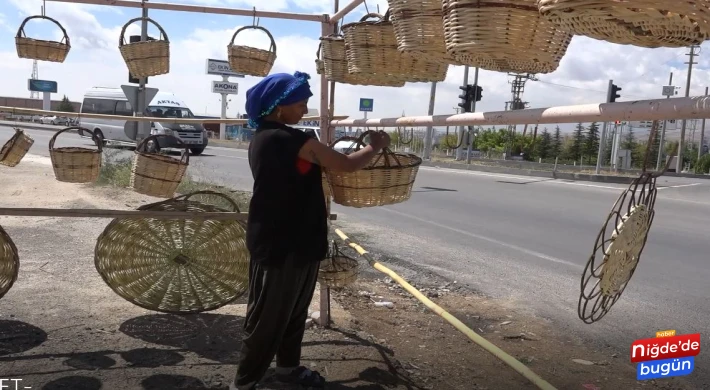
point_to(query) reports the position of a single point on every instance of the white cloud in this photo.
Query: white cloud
(95, 60)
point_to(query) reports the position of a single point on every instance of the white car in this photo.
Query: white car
(54, 120)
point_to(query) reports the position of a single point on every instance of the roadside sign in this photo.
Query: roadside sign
(225, 87)
(366, 105)
(668, 90)
(132, 128)
(221, 68)
(35, 85)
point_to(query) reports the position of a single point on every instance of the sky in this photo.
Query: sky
(94, 60)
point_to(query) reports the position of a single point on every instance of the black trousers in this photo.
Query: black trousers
(279, 297)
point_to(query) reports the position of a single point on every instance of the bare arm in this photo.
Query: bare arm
(319, 153)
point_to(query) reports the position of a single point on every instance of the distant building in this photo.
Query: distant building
(6, 101)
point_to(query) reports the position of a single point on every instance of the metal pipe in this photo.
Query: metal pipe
(656, 109)
(702, 133)
(202, 9)
(346, 10)
(126, 214)
(663, 132)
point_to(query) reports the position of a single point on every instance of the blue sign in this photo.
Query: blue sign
(366, 104)
(42, 86)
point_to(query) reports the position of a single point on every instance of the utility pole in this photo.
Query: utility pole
(428, 139)
(681, 146)
(602, 139)
(670, 91)
(459, 151)
(143, 127)
(702, 132)
(470, 128)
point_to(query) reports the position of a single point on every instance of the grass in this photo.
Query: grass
(116, 172)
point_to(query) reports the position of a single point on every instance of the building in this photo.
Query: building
(6, 101)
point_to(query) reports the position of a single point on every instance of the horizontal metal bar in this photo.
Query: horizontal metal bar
(657, 109)
(34, 111)
(346, 10)
(202, 9)
(125, 214)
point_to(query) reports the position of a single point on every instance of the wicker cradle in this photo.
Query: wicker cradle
(484, 33)
(42, 50)
(388, 179)
(15, 148)
(156, 174)
(147, 58)
(9, 262)
(644, 23)
(337, 270)
(176, 265)
(76, 164)
(335, 64)
(250, 60)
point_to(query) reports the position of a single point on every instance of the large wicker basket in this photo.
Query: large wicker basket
(419, 29)
(511, 30)
(9, 262)
(371, 48)
(176, 265)
(42, 50)
(335, 63)
(644, 23)
(146, 58)
(388, 179)
(155, 174)
(15, 148)
(337, 270)
(76, 164)
(250, 60)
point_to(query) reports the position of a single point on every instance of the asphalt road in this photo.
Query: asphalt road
(524, 240)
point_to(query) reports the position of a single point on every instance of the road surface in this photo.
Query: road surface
(524, 240)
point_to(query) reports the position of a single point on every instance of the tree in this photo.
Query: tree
(65, 105)
(556, 146)
(629, 140)
(575, 149)
(591, 142)
(608, 146)
(543, 148)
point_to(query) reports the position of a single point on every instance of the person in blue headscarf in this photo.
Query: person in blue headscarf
(287, 230)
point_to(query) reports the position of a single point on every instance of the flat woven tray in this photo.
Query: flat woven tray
(176, 266)
(15, 148)
(9, 262)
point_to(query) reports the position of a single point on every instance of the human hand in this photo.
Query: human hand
(379, 140)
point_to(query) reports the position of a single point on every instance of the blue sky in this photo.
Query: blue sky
(95, 60)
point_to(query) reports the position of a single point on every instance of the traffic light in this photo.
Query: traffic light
(614, 93)
(466, 98)
(478, 92)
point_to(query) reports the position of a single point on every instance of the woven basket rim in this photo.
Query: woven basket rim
(15, 258)
(122, 36)
(161, 158)
(21, 31)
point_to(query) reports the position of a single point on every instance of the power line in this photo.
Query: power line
(589, 90)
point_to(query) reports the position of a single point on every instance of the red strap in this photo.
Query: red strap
(303, 166)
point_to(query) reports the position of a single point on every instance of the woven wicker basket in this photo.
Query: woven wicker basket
(644, 23)
(337, 270)
(155, 174)
(9, 262)
(388, 179)
(320, 67)
(175, 265)
(371, 48)
(250, 60)
(15, 149)
(147, 58)
(335, 64)
(41, 50)
(509, 66)
(75, 164)
(511, 30)
(419, 29)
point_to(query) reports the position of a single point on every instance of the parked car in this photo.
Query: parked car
(54, 120)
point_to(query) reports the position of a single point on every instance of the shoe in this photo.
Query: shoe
(304, 377)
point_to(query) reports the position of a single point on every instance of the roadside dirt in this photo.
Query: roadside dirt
(62, 327)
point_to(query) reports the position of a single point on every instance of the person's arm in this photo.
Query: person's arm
(321, 154)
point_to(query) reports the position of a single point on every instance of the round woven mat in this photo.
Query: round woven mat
(175, 266)
(9, 262)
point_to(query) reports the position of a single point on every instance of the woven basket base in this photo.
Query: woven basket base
(76, 165)
(250, 60)
(41, 50)
(338, 272)
(145, 59)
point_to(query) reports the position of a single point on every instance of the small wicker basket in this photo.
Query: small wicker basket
(643, 23)
(335, 64)
(9, 262)
(146, 58)
(419, 29)
(15, 149)
(250, 60)
(76, 164)
(388, 179)
(155, 174)
(41, 50)
(176, 265)
(337, 270)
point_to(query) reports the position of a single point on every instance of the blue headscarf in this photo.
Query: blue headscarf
(274, 90)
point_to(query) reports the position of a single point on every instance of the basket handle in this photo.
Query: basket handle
(372, 15)
(360, 141)
(21, 30)
(121, 37)
(273, 42)
(79, 128)
(185, 158)
(235, 208)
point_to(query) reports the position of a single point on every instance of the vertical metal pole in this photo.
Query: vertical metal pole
(470, 128)
(325, 132)
(143, 127)
(702, 132)
(681, 142)
(429, 137)
(663, 134)
(222, 125)
(331, 106)
(602, 139)
(459, 151)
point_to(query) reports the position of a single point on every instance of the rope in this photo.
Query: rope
(485, 344)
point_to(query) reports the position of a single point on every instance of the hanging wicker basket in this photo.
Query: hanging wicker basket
(511, 30)
(371, 48)
(9, 262)
(419, 29)
(388, 179)
(337, 270)
(156, 174)
(147, 58)
(644, 23)
(320, 67)
(41, 50)
(15, 149)
(76, 164)
(335, 63)
(250, 60)
(176, 265)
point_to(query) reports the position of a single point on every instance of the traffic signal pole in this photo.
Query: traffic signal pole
(602, 139)
(459, 151)
(473, 109)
